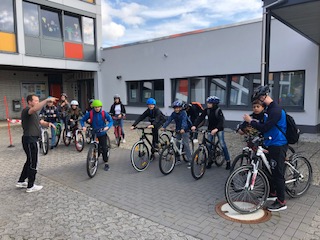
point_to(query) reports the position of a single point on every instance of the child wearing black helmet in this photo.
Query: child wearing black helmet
(215, 125)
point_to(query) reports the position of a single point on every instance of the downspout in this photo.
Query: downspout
(265, 45)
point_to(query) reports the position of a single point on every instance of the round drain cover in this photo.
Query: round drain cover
(224, 210)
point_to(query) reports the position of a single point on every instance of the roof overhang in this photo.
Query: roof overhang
(300, 15)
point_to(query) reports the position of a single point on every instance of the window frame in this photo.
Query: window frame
(141, 101)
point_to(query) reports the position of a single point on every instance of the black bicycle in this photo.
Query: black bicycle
(207, 153)
(140, 153)
(94, 152)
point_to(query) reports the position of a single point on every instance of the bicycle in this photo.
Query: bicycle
(93, 154)
(247, 188)
(44, 140)
(245, 157)
(208, 151)
(140, 154)
(88, 134)
(76, 135)
(117, 130)
(169, 154)
(58, 133)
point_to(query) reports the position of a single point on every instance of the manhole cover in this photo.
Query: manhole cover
(224, 210)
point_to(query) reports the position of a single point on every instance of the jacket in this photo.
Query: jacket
(156, 117)
(181, 120)
(275, 116)
(97, 121)
(112, 109)
(47, 113)
(214, 120)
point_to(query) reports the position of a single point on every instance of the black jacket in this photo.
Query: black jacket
(156, 117)
(215, 120)
(112, 111)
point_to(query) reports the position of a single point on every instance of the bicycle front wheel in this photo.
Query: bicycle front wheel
(58, 134)
(164, 140)
(79, 142)
(298, 176)
(92, 160)
(140, 156)
(45, 143)
(239, 161)
(199, 163)
(218, 155)
(242, 198)
(167, 160)
(66, 139)
(88, 136)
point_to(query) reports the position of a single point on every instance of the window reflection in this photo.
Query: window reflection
(50, 24)
(197, 89)
(291, 91)
(88, 30)
(31, 19)
(182, 90)
(218, 88)
(6, 16)
(72, 31)
(239, 94)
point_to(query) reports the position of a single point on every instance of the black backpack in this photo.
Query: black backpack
(293, 132)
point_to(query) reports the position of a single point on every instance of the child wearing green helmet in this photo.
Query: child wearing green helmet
(99, 118)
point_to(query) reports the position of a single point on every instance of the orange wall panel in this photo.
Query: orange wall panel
(73, 50)
(8, 42)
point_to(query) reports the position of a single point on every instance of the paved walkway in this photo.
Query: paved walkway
(125, 204)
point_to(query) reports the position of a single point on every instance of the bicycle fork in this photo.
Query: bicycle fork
(252, 175)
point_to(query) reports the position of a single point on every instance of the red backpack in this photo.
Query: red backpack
(197, 104)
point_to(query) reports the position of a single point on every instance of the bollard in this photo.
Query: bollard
(7, 116)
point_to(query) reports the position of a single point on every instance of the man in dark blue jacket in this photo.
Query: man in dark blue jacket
(275, 141)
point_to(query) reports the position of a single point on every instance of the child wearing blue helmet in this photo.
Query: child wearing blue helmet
(215, 125)
(156, 118)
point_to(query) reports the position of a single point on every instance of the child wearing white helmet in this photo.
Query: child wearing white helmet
(73, 115)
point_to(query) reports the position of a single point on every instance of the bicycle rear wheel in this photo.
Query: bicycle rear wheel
(45, 143)
(298, 176)
(199, 163)
(239, 161)
(58, 134)
(164, 139)
(79, 141)
(88, 136)
(241, 198)
(167, 160)
(92, 160)
(219, 158)
(140, 156)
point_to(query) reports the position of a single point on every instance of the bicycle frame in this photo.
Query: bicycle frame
(205, 140)
(144, 138)
(174, 141)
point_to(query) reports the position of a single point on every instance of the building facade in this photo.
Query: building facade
(225, 62)
(48, 47)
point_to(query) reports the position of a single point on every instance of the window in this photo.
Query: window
(291, 89)
(140, 91)
(239, 92)
(6, 16)
(218, 87)
(197, 89)
(50, 23)
(88, 30)
(31, 19)
(89, 1)
(181, 90)
(72, 30)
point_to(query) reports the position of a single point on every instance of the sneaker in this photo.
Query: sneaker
(124, 141)
(22, 185)
(272, 197)
(277, 206)
(34, 188)
(51, 147)
(178, 162)
(228, 165)
(208, 165)
(188, 165)
(68, 134)
(106, 167)
(195, 140)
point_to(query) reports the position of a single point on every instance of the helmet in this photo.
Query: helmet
(74, 102)
(96, 103)
(116, 96)
(260, 91)
(64, 94)
(177, 103)
(151, 101)
(213, 99)
(91, 101)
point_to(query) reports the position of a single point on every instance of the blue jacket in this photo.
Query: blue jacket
(181, 119)
(97, 121)
(275, 116)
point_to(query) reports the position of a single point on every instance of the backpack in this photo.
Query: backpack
(198, 105)
(293, 132)
(102, 113)
(216, 113)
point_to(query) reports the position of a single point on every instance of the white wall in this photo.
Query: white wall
(230, 50)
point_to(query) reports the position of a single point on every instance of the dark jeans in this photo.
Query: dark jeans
(30, 167)
(103, 145)
(277, 155)
(155, 136)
